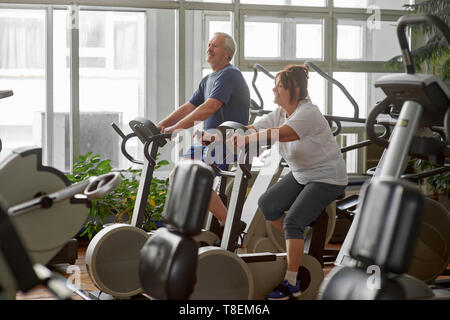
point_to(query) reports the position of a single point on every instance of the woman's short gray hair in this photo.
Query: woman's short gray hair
(229, 42)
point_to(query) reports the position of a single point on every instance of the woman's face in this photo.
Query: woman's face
(282, 96)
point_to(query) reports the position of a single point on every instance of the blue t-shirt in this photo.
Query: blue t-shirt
(228, 86)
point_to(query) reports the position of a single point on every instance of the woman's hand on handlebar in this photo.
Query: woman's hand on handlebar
(237, 140)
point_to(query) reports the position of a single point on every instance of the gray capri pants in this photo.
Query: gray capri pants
(304, 203)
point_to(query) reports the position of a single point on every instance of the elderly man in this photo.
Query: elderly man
(221, 96)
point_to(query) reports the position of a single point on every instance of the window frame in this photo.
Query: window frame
(238, 11)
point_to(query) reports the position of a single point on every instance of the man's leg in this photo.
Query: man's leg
(217, 207)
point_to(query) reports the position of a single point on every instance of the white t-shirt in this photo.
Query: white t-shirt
(316, 155)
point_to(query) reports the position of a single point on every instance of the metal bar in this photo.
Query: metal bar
(143, 189)
(400, 142)
(74, 116)
(48, 142)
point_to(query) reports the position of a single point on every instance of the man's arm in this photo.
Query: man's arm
(201, 113)
(176, 116)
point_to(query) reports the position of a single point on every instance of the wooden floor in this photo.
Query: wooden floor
(41, 293)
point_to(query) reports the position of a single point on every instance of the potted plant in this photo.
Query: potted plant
(437, 186)
(117, 206)
(433, 54)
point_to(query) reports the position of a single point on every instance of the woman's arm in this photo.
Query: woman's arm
(281, 134)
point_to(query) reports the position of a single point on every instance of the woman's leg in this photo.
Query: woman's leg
(278, 199)
(310, 203)
(294, 253)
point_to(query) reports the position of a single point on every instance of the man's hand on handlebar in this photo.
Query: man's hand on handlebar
(164, 130)
(206, 138)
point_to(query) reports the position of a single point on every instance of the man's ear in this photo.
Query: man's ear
(230, 54)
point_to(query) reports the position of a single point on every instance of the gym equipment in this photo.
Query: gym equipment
(242, 276)
(391, 210)
(58, 212)
(261, 236)
(17, 271)
(226, 130)
(257, 110)
(345, 207)
(4, 94)
(112, 256)
(37, 229)
(169, 257)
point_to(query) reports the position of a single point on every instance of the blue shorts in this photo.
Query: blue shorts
(221, 160)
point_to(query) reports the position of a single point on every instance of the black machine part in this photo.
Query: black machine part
(15, 254)
(147, 132)
(338, 84)
(27, 275)
(403, 41)
(387, 229)
(168, 261)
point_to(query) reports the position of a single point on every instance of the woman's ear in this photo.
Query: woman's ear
(297, 93)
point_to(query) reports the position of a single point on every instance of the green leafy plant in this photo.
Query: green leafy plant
(436, 50)
(118, 205)
(439, 183)
(436, 53)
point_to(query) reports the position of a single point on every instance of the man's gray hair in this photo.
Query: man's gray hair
(229, 42)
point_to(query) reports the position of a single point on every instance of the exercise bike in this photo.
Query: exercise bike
(390, 225)
(112, 256)
(242, 276)
(41, 211)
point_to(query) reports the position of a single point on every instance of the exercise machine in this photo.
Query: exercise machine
(169, 258)
(40, 212)
(17, 271)
(390, 231)
(261, 236)
(242, 276)
(26, 184)
(112, 256)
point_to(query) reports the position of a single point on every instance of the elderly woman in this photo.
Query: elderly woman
(317, 174)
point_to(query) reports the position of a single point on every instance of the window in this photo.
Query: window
(110, 86)
(22, 63)
(309, 40)
(349, 42)
(22, 34)
(361, 87)
(142, 62)
(382, 4)
(262, 39)
(309, 3)
(213, 21)
(217, 1)
(357, 41)
(276, 38)
(264, 84)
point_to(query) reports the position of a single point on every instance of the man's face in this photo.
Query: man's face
(216, 54)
